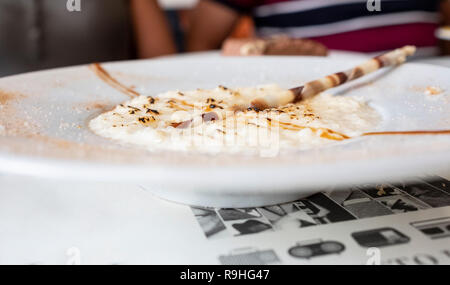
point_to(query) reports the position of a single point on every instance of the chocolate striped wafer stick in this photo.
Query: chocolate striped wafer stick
(312, 88)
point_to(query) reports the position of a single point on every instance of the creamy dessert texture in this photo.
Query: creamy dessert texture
(216, 121)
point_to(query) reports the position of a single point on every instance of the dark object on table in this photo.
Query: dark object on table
(435, 228)
(380, 237)
(251, 227)
(316, 249)
(250, 256)
(238, 214)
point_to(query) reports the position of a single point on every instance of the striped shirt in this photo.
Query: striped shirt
(347, 24)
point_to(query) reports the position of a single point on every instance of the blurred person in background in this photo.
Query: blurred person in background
(339, 24)
(40, 34)
(153, 34)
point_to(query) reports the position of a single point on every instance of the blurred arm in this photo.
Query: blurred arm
(153, 35)
(211, 23)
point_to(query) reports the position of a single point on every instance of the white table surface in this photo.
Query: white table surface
(58, 222)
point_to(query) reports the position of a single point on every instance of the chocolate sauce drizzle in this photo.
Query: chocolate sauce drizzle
(111, 81)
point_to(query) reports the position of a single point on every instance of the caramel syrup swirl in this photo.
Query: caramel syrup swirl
(436, 132)
(324, 132)
(111, 81)
(333, 135)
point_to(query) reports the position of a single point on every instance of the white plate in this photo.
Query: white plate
(49, 110)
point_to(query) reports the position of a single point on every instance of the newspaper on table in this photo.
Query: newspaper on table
(56, 222)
